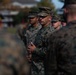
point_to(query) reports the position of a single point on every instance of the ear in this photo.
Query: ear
(50, 18)
(65, 10)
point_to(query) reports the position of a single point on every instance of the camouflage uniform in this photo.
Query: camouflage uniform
(32, 30)
(38, 56)
(40, 52)
(31, 33)
(61, 56)
(12, 55)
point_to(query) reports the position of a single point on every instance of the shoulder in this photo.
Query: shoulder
(60, 34)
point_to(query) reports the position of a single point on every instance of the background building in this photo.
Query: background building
(24, 3)
(9, 9)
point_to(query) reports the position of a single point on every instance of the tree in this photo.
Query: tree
(20, 17)
(6, 2)
(47, 3)
(61, 0)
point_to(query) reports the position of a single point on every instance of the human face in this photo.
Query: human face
(33, 20)
(44, 20)
(56, 24)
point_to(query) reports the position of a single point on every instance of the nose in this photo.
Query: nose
(40, 18)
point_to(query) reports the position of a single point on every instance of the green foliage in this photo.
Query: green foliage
(46, 3)
(20, 17)
(12, 30)
(34, 8)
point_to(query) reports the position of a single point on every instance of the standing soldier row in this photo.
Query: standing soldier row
(39, 47)
(36, 36)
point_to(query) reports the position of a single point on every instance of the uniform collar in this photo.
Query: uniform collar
(71, 22)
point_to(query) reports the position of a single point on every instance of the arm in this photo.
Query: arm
(37, 51)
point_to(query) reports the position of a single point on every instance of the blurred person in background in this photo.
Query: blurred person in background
(13, 59)
(21, 29)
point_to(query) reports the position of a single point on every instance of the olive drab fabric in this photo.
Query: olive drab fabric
(32, 30)
(38, 56)
(41, 40)
(12, 55)
(41, 43)
(62, 51)
(31, 33)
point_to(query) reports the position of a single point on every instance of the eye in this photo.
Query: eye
(53, 21)
(42, 16)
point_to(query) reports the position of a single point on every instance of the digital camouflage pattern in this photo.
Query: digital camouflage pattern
(38, 38)
(56, 18)
(30, 37)
(61, 56)
(12, 55)
(44, 11)
(41, 40)
(39, 54)
(31, 33)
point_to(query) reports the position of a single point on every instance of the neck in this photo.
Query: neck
(46, 24)
(35, 25)
(71, 18)
(57, 28)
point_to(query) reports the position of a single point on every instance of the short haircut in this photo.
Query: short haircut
(71, 8)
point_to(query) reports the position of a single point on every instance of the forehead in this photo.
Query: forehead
(31, 18)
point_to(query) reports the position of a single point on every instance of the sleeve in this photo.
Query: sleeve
(41, 51)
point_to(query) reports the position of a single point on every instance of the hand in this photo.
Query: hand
(31, 47)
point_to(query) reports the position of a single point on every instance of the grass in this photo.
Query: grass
(12, 30)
